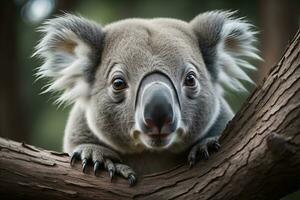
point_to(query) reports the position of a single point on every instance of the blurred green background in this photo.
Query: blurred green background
(33, 118)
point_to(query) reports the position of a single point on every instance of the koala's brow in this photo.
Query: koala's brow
(109, 69)
(119, 68)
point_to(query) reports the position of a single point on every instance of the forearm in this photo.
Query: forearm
(77, 131)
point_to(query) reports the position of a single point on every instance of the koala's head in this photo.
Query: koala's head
(147, 83)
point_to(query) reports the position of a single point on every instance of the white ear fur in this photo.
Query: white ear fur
(70, 49)
(236, 44)
(229, 42)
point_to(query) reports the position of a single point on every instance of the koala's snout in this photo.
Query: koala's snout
(157, 106)
(158, 109)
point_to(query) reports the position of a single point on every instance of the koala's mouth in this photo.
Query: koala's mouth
(158, 141)
(158, 136)
(157, 109)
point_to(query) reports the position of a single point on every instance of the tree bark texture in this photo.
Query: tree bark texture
(259, 158)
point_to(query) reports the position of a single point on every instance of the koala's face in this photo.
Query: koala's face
(147, 84)
(152, 89)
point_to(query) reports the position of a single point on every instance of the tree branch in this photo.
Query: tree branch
(260, 157)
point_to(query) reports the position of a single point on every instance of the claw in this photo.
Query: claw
(131, 179)
(214, 146)
(192, 160)
(110, 168)
(111, 174)
(101, 158)
(74, 157)
(204, 154)
(84, 165)
(96, 166)
(191, 163)
(217, 146)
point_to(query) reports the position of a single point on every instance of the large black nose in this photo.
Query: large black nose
(158, 109)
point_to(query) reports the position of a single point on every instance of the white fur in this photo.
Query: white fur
(232, 60)
(65, 69)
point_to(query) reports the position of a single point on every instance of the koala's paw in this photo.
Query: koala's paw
(100, 157)
(201, 150)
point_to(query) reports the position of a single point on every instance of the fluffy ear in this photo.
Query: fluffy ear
(71, 50)
(225, 42)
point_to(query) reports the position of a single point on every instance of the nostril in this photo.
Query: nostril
(168, 120)
(149, 123)
(156, 126)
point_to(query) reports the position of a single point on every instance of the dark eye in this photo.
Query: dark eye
(119, 84)
(190, 80)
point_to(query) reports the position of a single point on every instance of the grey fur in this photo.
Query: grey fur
(212, 45)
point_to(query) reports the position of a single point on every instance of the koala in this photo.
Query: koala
(146, 94)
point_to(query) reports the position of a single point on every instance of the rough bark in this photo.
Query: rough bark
(260, 158)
